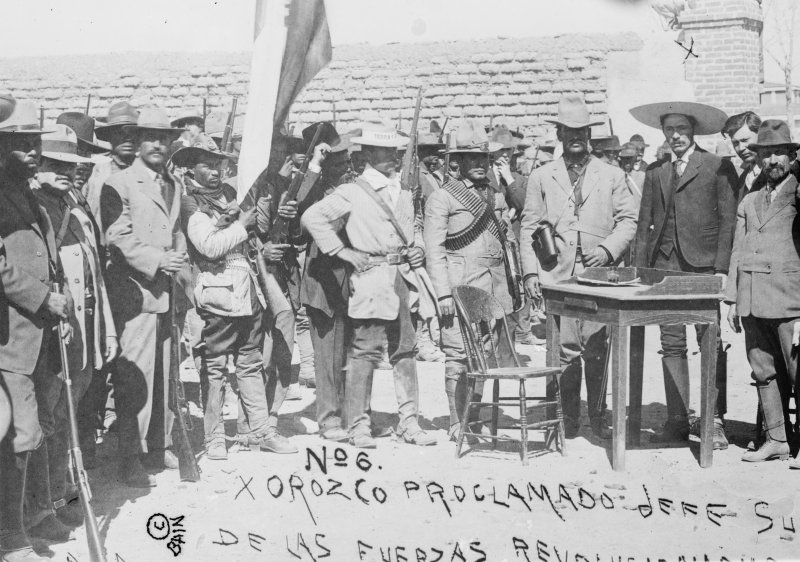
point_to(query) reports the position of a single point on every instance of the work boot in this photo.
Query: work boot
(132, 473)
(415, 435)
(50, 529)
(12, 494)
(676, 387)
(273, 442)
(600, 428)
(795, 463)
(334, 434)
(720, 439)
(363, 440)
(571, 427)
(70, 514)
(293, 392)
(775, 447)
(160, 459)
(673, 431)
(25, 554)
(216, 450)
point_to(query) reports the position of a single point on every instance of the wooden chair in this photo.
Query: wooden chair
(479, 314)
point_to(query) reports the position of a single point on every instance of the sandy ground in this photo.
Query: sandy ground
(404, 503)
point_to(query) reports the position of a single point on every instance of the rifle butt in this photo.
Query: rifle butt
(96, 552)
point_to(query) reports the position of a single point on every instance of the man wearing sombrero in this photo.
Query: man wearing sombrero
(763, 286)
(591, 214)
(686, 223)
(29, 310)
(140, 209)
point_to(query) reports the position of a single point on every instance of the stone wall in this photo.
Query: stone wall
(516, 81)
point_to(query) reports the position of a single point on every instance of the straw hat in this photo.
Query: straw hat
(182, 120)
(469, 137)
(573, 113)
(381, 136)
(709, 119)
(62, 145)
(502, 136)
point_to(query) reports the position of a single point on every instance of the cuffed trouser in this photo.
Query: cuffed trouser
(587, 340)
(368, 338)
(277, 360)
(673, 351)
(240, 336)
(140, 384)
(330, 337)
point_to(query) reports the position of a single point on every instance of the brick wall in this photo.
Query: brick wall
(727, 37)
(518, 81)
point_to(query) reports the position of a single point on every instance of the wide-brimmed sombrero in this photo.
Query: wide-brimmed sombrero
(709, 120)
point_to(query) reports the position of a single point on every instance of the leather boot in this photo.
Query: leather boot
(58, 464)
(775, 447)
(455, 388)
(358, 393)
(12, 495)
(571, 397)
(676, 386)
(41, 520)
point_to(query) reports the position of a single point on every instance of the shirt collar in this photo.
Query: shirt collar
(685, 157)
(376, 179)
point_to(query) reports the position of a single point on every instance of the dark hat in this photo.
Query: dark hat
(629, 150)
(24, 119)
(327, 133)
(638, 140)
(606, 144)
(119, 114)
(202, 147)
(7, 103)
(83, 125)
(773, 132)
(709, 120)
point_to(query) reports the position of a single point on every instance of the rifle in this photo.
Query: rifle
(227, 136)
(41, 117)
(187, 463)
(96, 553)
(88, 102)
(409, 175)
(446, 167)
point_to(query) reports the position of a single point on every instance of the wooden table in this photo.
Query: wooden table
(661, 297)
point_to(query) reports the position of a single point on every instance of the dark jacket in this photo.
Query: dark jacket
(705, 211)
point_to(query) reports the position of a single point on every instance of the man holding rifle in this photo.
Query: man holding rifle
(384, 248)
(29, 310)
(140, 211)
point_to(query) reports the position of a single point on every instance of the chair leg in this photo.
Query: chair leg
(465, 417)
(523, 421)
(495, 411)
(560, 416)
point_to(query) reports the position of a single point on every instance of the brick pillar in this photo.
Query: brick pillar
(730, 67)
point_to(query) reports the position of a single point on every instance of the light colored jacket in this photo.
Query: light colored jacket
(607, 217)
(764, 273)
(368, 230)
(479, 264)
(226, 279)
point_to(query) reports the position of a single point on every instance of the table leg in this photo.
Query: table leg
(619, 389)
(708, 369)
(553, 336)
(636, 373)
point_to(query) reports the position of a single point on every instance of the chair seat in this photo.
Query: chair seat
(516, 373)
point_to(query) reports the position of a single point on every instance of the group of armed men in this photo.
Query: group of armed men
(112, 231)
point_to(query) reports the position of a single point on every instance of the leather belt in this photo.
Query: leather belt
(391, 259)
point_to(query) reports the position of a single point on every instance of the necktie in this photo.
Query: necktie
(770, 190)
(166, 190)
(680, 166)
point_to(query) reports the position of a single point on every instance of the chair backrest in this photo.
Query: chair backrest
(479, 314)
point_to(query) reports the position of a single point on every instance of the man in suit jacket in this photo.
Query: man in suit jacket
(764, 277)
(465, 248)
(594, 218)
(29, 310)
(742, 131)
(686, 223)
(140, 211)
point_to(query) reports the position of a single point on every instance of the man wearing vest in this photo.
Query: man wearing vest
(29, 311)
(386, 253)
(466, 224)
(686, 223)
(94, 338)
(590, 209)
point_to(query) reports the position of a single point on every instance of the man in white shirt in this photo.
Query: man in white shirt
(741, 130)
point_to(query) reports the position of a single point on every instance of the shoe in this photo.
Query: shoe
(22, 555)
(216, 450)
(384, 365)
(720, 439)
(160, 459)
(415, 435)
(795, 463)
(363, 441)
(309, 381)
(274, 443)
(525, 338)
(431, 354)
(770, 450)
(453, 432)
(671, 432)
(600, 428)
(293, 392)
(378, 432)
(132, 473)
(70, 514)
(571, 428)
(50, 529)
(334, 434)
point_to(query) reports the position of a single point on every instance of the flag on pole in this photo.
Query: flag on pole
(292, 43)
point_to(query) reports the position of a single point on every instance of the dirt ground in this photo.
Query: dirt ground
(405, 503)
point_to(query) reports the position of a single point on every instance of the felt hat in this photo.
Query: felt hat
(502, 136)
(522, 144)
(381, 136)
(606, 144)
(7, 103)
(186, 118)
(327, 133)
(119, 114)
(433, 137)
(469, 137)
(24, 119)
(709, 119)
(83, 125)
(638, 141)
(153, 119)
(573, 113)
(628, 150)
(203, 147)
(62, 145)
(773, 132)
